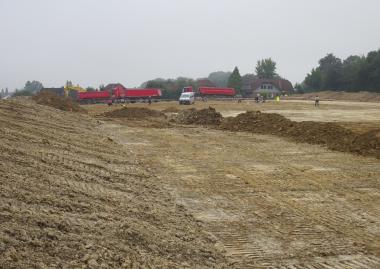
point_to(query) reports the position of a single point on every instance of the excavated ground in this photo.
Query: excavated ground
(328, 134)
(113, 192)
(59, 102)
(270, 203)
(72, 197)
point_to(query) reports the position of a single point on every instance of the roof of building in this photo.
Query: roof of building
(281, 84)
(112, 86)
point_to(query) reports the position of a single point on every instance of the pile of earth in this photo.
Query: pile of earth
(59, 102)
(134, 113)
(71, 196)
(330, 134)
(171, 109)
(207, 116)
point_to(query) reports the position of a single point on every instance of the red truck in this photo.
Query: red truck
(205, 91)
(93, 97)
(187, 89)
(119, 93)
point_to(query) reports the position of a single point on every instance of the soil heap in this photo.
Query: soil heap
(205, 117)
(59, 102)
(171, 109)
(134, 113)
(330, 134)
(71, 197)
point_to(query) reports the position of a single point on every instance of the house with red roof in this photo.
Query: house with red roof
(268, 87)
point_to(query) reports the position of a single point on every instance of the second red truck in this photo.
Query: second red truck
(118, 93)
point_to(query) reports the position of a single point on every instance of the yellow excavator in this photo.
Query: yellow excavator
(69, 87)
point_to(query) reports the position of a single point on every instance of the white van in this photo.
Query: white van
(187, 98)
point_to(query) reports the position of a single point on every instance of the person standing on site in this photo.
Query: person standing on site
(150, 100)
(316, 101)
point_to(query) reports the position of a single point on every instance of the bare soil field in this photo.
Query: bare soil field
(133, 188)
(358, 116)
(72, 197)
(334, 95)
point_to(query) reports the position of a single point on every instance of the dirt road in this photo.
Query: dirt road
(269, 203)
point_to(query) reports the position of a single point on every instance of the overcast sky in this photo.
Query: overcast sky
(130, 41)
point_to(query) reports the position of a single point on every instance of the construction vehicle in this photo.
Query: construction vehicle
(119, 94)
(71, 90)
(213, 91)
(187, 98)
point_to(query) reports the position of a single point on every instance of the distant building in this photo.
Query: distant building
(57, 91)
(113, 86)
(268, 87)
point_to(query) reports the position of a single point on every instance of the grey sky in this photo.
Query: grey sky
(130, 41)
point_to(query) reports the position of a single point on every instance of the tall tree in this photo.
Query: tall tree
(219, 78)
(266, 68)
(313, 80)
(33, 86)
(350, 72)
(331, 69)
(235, 81)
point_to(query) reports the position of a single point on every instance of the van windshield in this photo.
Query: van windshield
(186, 95)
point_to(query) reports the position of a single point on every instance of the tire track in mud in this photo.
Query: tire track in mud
(270, 203)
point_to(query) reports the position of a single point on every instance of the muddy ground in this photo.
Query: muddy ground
(90, 191)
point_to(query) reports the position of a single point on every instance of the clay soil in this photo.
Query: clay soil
(95, 191)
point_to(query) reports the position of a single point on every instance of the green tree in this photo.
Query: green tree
(171, 88)
(22, 93)
(266, 68)
(313, 80)
(235, 81)
(369, 74)
(331, 69)
(33, 86)
(350, 73)
(219, 78)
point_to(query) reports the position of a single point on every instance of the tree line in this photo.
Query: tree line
(355, 73)
(172, 88)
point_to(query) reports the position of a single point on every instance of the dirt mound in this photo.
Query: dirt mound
(171, 109)
(344, 96)
(73, 197)
(257, 122)
(207, 116)
(332, 135)
(134, 113)
(59, 102)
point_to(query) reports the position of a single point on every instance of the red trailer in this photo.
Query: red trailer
(143, 93)
(93, 97)
(187, 89)
(203, 91)
(118, 94)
